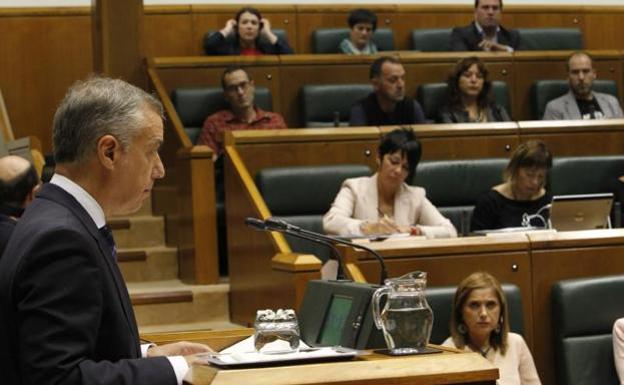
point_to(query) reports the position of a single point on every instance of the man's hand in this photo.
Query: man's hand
(489, 45)
(267, 32)
(182, 348)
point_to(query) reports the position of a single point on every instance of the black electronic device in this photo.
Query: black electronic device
(339, 313)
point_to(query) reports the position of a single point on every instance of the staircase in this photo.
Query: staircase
(163, 303)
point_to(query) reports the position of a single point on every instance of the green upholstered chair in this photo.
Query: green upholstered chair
(440, 300)
(302, 195)
(279, 32)
(588, 175)
(536, 39)
(432, 96)
(543, 91)
(328, 105)
(453, 186)
(431, 39)
(583, 313)
(195, 104)
(327, 40)
(585, 175)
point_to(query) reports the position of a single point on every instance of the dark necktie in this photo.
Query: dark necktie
(108, 235)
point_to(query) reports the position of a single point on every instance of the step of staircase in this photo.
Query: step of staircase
(174, 305)
(139, 231)
(154, 263)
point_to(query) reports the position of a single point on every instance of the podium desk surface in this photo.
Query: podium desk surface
(448, 367)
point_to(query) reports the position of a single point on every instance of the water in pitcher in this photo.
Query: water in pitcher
(407, 329)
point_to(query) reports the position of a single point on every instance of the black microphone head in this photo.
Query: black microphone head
(256, 223)
(274, 223)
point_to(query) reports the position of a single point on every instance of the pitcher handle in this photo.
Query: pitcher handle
(375, 303)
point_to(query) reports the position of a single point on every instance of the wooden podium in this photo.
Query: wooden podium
(449, 367)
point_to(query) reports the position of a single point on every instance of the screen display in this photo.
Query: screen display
(331, 331)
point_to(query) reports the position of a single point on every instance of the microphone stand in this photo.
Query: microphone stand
(280, 225)
(261, 225)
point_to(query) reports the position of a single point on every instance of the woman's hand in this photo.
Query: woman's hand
(265, 30)
(384, 226)
(229, 29)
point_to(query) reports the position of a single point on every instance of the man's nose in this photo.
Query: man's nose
(159, 169)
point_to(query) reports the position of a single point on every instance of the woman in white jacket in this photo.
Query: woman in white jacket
(384, 203)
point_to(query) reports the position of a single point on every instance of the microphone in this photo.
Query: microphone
(283, 226)
(255, 223)
(280, 226)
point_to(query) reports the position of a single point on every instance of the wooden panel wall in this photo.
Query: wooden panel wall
(43, 53)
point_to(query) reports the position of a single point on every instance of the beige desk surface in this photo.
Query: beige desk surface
(442, 368)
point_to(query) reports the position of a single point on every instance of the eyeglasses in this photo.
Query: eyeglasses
(234, 87)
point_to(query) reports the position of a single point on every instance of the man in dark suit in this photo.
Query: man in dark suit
(65, 312)
(485, 33)
(18, 183)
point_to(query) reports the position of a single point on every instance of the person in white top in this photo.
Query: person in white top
(384, 203)
(618, 348)
(479, 323)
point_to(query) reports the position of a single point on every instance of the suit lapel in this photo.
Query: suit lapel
(60, 196)
(401, 205)
(604, 104)
(571, 107)
(372, 195)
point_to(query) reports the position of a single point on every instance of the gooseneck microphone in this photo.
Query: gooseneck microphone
(256, 223)
(279, 225)
(261, 225)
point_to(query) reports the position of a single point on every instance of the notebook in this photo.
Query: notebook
(581, 212)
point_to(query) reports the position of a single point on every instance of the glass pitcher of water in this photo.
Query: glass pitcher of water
(406, 318)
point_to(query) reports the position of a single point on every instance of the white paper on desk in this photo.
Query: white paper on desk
(243, 352)
(247, 346)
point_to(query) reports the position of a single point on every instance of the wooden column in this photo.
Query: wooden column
(117, 32)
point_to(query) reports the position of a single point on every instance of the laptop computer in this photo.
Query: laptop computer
(581, 212)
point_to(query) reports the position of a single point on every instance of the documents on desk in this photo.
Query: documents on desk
(387, 238)
(278, 352)
(517, 230)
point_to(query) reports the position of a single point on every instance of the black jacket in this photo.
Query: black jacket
(65, 312)
(217, 44)
(495, 113)
(468, 38)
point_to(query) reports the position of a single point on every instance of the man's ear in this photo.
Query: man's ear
(375, 83)
(108, 150)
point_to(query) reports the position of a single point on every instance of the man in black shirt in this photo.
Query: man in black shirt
(581, 102)
(387, 104)
(18, 183)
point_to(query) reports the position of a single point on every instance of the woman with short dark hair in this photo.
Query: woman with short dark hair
(468, 95)
(384, 203)
(521, 200)
(362, 24)
(480, 323)
(248, 34)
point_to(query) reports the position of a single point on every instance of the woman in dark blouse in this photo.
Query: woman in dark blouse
(521, 201)
(468, 98)
(248, 34)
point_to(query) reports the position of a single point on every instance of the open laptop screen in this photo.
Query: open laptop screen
(581, 212)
